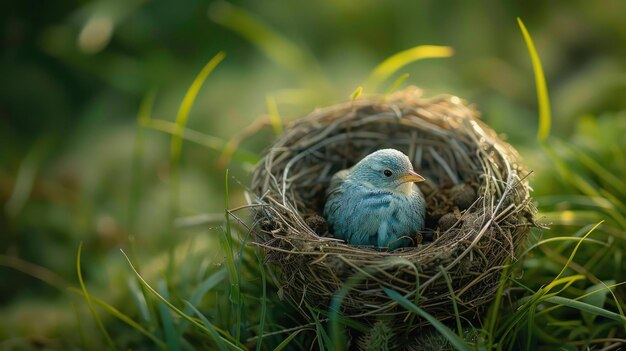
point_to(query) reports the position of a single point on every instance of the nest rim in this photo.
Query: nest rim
(314, 267)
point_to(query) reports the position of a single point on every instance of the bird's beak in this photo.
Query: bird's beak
(412, 177)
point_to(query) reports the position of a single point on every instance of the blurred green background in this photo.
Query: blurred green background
(75, 73)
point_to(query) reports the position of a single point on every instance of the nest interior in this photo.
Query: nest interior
(479, 208)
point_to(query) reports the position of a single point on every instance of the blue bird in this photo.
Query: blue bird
(376, 202)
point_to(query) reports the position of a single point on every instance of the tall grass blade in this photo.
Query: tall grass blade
(181, 121)
(530, 322)
(25, 177)
(79, 326)
(610, 287)
(171, 335)
(395, 62)
(545, 118)
(454, 339)
(288, 339)
(226, 241)
(33, 270)
(495, 306)
(207, 284)
(263, 304)
(457, 316)
(139, 295)
(571, 257)
(334, 316)
(220, 342)
(617, 301)
(223, 335)
(271, 43)
(357, 92)
(596, 167)
(94, 313)
(274, 115)
(565, 281)
(143, 118)
(334, 311)
(208, 141)
(322, 337)
(587, 308)
(561, 238)
(396, 84)
(123, 317)
(597, 300)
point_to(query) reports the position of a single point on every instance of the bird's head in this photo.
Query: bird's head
(387, 169)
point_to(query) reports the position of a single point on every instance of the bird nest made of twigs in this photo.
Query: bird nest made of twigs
(479, 210)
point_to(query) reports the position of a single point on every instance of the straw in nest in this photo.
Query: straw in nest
(479, 209)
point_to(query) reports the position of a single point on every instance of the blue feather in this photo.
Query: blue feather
(374, 203)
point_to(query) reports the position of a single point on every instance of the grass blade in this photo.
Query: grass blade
(454, 339)
(106, 335)
(226, 241)
(220, 343)
(143, 118)
(335, 311)
(209, 283)
(274, 115)
(140, 296)
(571, 257)
(596, 167)
(357, 92)
(271, 43)
(121, 316)
(79, 326)
(263, 304)
(565, 281)
(286, 342)
(395, 85)
(209, 141)
(587, 308)
(545, 118)
(323, 339)
(561, 238)
(181, 121)
(610, 287)
(144, 115)
(171, 335)
(25, 178)
(495, 306)
(33, 270)
(457, 316)
(395, 62)
(223, 335)
(597, 300)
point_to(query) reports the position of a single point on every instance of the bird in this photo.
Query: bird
(376, 202)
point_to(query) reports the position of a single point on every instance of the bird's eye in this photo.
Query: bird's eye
(387, 173)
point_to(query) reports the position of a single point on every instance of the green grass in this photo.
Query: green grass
(181, 121)
(545, 118)
(71, 167)
(275, 46)
(566, 297)
(393, 64)
(218, 335)
(454, 339)
(94, 313)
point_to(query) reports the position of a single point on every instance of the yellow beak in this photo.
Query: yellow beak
(412, 177)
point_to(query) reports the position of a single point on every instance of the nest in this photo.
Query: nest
(479, 209)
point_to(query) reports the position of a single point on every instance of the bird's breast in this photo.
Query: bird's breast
(364, 215)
